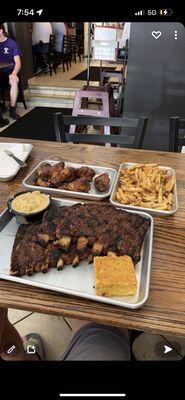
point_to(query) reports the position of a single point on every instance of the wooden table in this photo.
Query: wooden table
(164, 312)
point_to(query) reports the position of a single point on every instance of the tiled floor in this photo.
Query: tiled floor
(64, 79)
(55, 331)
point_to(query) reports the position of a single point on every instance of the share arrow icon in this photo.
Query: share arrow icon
(167, 349)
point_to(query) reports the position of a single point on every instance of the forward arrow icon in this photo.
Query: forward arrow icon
(167, 349)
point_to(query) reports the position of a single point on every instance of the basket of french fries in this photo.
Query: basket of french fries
(148, 187)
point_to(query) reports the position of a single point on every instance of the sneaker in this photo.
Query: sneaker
(33, 347)
(13, 114)
(4, 122)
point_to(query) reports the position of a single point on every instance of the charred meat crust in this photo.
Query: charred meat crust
(102, 182)
(68, 178)
(68, 235)
(85, 171)
(61, 177)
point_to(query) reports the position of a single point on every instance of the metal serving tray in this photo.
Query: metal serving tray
(75, 281)
(91, 195)
(159, 213)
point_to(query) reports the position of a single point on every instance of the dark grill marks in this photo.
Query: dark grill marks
(68, 235)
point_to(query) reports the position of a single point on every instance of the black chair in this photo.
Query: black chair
(51, 56)
(44, 56)
(176, 137)
(138, 126)
(73, 47)
(64, 56)
(66, 52)
(80, 46)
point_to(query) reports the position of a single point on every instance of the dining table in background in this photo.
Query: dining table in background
(164, 311)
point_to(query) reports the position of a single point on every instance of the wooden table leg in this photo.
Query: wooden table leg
(11, 346)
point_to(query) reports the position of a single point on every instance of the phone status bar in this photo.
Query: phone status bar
(163, 12)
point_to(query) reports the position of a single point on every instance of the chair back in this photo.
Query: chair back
(176, 136)
(137, 128)
(66, 44)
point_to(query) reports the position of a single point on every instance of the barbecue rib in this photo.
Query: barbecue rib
(68, 235)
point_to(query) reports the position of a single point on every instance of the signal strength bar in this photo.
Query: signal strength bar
(140, 12)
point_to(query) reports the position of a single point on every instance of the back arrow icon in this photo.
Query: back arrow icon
(167, 349)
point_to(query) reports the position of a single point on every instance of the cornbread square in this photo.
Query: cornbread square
(114, 276)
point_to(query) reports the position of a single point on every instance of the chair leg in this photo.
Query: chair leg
(24, 103)
(50, 69)
(21, 93)
(4, 99)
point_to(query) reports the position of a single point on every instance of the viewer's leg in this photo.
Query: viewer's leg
(11, 346)
(96, 342)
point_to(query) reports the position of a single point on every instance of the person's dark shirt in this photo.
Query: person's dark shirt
(8, 50)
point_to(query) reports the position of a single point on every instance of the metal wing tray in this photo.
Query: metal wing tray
(28, 182)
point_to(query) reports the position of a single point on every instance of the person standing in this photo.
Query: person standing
(41, 32)
(59, 30)
(10, 57)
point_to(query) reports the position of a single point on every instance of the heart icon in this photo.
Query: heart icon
(156, 35)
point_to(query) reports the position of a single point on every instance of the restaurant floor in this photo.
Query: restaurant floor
(55, 331)
(20, 111)
(64, 79)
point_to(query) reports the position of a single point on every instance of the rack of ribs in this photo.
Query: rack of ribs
(68, 235)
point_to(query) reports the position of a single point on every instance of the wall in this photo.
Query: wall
(155, 84)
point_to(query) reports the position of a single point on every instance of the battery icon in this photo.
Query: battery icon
(166, 12)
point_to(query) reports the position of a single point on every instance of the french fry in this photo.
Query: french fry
(151, 165)
(162, 206)
(140, 173)
(136, 174)
(170, 198)
(160, 194)
(150, 198)
(149, 204)
(132, 189)
(158, 178)
(170, 183)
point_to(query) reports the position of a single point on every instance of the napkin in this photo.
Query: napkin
(8, 166)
